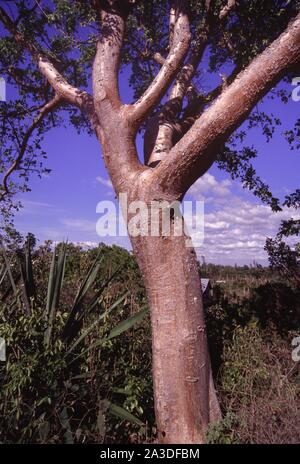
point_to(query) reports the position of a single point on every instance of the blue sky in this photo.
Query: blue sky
(63, 204)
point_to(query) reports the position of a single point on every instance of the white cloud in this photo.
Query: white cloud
(38, 207)
(105, 182)
(208, 185)
(86, 245)
(235, 230)
(82, 225)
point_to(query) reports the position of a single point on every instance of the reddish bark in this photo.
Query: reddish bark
(185, 400)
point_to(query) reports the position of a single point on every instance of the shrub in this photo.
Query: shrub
(259, 387)
(71, 373)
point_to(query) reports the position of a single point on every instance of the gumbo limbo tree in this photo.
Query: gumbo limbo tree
(64, 57)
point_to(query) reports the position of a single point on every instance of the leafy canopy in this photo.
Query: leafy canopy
(66, 32)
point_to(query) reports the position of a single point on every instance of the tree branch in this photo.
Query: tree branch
(196, 151)
(46, 109)
(170, 67)
(227, 9)
(107, 59)
(71, 94)
(162, 129)
(115, 133)
(197, 102)
(158, 138)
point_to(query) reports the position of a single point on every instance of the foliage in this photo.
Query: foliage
(48, 397)
(64, 357)
(273, 306)
(66, 33)
(70, 375)
(260, 388)
(284, 256)
(223, 432)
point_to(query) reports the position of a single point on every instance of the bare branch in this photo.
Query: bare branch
(178, 51)
(159, 58)
(160, 129)
(46, 109)
(196, 151)
(172, 24)
(207, 5)
(227, 9)
(73, 95)
(163, 129)
(112, 116)
(197, 102)
(83, 100)
(107, 59)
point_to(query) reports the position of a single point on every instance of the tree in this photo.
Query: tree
(51, 50)
(283, 256)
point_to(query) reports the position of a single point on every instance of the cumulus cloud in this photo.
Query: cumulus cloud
(235, 228)
(208, 185)
(86, 245)
(235, 231)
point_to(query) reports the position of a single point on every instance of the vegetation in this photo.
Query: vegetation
(64, 60)
(88, 379)
(72, 363)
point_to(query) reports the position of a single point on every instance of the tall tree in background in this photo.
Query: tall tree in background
(52, 50)
(284, 256)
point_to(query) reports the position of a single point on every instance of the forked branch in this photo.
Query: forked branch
(180, 34)
(71, 94)
(107, 59)
(46, 109)
(197, 150)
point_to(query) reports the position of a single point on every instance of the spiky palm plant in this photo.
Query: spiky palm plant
(62, 342)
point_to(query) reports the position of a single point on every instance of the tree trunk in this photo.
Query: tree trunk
(184, 394)
(185, 399)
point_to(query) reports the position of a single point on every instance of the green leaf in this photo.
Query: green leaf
(56, 278)
(122, 327)
(65, 422)
(127, 324)
(44, 429)
(122, 413)
(50, 283)
(72, 325)
(116, 331)
(7, 264)
(95, 323)
(26, 267)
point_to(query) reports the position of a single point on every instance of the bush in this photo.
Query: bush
(260, 388)
(77, 373)
(79, 367)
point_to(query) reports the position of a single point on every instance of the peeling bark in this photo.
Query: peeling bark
(185, 398)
